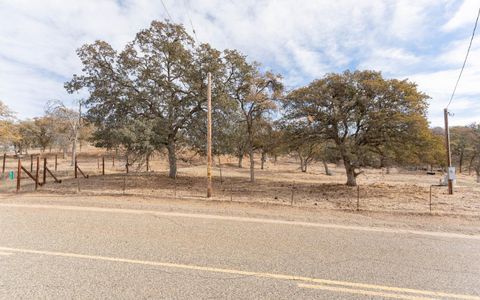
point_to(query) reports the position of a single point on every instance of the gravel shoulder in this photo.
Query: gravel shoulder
(440, 222)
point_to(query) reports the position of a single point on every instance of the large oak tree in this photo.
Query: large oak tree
(361, 112)
(157, 84)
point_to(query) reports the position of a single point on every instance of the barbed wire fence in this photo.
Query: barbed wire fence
(107, 175)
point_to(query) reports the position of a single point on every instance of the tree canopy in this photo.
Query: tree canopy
(362, 113)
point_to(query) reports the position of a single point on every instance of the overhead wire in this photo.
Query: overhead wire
(166, 10)
(465, 60)
(190, 20)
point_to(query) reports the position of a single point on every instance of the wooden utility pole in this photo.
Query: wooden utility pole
(449, 156)
(209, 136)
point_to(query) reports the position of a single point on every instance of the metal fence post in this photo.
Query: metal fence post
(358, 197)
(36, 172)
(19, 174)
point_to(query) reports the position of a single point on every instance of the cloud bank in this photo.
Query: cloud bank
(422, 40)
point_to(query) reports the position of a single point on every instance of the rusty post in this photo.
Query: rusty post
(430, 204)
(19, 174)
(358, 197)
(36, 172)
(44, 170)
(3, 165)
(103, 165)
(148, 162)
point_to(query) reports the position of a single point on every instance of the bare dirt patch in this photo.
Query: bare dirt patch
(280, 183)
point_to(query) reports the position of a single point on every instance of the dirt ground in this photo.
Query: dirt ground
(280, 183)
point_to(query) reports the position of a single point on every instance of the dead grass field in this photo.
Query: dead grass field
(278, 183)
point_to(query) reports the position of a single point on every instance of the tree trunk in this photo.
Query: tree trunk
(302, 164)
(264, 158)
(250, 151)
(240, 161)
(275, 159)
(74, 150)
(172, 159)
(325, 165)
(350, 170)
(470, 165)
(252, 164)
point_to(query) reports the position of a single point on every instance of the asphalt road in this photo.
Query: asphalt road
(64, 252)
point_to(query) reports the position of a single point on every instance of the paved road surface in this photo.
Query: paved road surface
(63, 252)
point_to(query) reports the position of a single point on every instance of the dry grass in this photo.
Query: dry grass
(399, 191)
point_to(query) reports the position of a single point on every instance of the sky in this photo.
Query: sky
(424, 41)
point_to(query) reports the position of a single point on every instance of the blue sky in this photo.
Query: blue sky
(422, 40)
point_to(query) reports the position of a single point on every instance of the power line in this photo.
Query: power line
(166, 10)
(189, 19)
(465, 61)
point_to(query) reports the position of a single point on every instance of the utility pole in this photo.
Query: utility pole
(80, 121)
(209, 136)
(449, 156)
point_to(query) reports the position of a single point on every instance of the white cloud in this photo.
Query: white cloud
(464, 16)
(302, 40)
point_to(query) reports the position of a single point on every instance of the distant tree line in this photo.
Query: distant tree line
(58, 129)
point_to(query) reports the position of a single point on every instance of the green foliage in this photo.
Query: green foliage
(463, 143)
(157, 82)
(361, 113)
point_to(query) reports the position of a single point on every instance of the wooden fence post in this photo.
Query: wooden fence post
(75, 167)
(3, 166)
(55, 162)
(358, 198)
(103, 165)
(44, 170)
(36, 172)
(148, 162)
(31, 163)
(19, 174)
(126, 164)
